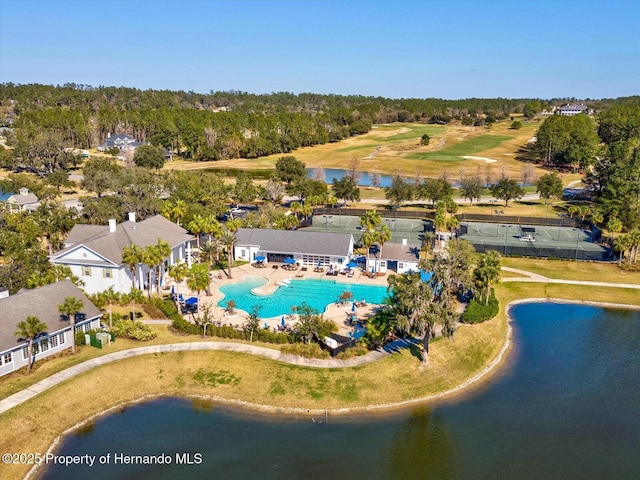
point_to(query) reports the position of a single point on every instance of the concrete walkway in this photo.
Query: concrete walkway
(43, 385)
(536, 278)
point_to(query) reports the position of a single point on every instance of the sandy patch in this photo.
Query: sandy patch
(482, 159)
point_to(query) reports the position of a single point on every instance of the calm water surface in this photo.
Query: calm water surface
(567, 408)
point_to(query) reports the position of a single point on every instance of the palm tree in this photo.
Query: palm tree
(178, 210)
(209, 252)
(30, 329)
(178, 272)
(624, 244)
(109, 297)
(212, 227)
(369, 222)
(163, 249)
(229, 239)
(132, 255)
(70, 307)
(197, 226)
(151, 258)
(382, 235)
(134, 296)
(487, 271)
(428, 241)
(198, 278)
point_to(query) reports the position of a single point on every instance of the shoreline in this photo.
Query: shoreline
(467, 387)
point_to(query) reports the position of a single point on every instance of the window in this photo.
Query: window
(107, 273)
(44, 345)
(86, 271)
(243, 253)
(7, 358)
(62, 339)
(53, 341)
(34, 351)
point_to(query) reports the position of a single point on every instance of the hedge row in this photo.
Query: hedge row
(261, 334)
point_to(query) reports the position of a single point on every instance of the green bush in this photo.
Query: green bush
(133, 330)
(153, 310)
(478, 312)
(80, 338)
(226, 331)
(307, 350)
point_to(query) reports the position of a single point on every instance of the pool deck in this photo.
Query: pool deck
(338, 313)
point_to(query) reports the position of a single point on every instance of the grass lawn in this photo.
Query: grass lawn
(471, 146)
(396, 149)
(570, 270)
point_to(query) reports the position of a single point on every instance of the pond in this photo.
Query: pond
(568, 406)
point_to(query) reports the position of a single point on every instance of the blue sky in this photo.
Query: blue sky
(454, 49)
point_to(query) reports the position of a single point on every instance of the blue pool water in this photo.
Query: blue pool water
(314, 292)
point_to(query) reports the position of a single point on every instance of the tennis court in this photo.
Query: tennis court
(534, 241)
(411, 230)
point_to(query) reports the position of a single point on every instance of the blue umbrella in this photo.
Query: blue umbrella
(319, 263)
(260, 258)
(289, 260)
(282, 322)
(172, 290)
(352, 264)
(353, 307)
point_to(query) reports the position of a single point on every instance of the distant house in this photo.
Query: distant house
(307, 248)
(42, 303)
(23, 200)
(400, 258)
(120, 141)
(94, 252)
(126, 143)
(573, 109)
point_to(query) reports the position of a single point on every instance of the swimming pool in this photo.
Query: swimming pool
(314, 292)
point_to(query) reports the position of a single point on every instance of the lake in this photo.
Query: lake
(568, 406)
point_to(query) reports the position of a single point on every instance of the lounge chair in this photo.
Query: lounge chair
(351, 273)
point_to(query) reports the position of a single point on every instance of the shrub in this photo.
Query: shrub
(310, 350)
(357, 351)
(153, 311)
(478, 312)
(133, 330)
(80, 338)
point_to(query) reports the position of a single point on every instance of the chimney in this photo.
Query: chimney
(132, 217)
(24, 191)
(404, 241)
(112, 225)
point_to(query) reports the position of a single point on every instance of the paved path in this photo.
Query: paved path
(534, 277)
(43, 385)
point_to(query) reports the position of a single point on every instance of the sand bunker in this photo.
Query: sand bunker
(482, 159)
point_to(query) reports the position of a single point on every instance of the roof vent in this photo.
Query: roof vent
(112, 225)
(132, 217)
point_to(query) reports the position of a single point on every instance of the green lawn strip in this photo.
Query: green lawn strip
(472, 146)
(352, 148)
(415, 132)
(571, 270)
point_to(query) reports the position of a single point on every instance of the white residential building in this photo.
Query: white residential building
(400, 258)
(94, 252)
(307, 248)
(43, 303)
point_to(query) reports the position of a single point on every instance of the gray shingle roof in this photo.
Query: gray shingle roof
(399, 252)
(296, 241)
(110, 245)
(42, 303)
